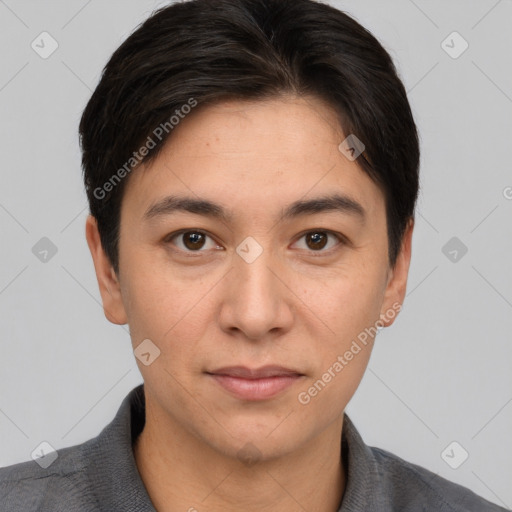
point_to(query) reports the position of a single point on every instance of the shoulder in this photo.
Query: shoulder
(61, 486)
(80, 477)
(415, 488)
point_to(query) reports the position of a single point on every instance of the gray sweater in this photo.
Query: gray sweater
(101, 475)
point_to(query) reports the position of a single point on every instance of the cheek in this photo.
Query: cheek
(173, 313)
(329, 394)
(350, 307)
(153, 302)
(342, 359)
(348, 304)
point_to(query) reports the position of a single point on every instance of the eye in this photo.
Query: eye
(316, 240)
(195, 240)
(192, 240)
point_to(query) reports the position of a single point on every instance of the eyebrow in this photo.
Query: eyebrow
(336, 202)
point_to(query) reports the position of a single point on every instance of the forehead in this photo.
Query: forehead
(251, 156)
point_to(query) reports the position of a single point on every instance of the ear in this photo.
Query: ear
(110, 290)
(397, 280)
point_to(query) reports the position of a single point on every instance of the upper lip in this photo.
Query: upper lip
(243, 372)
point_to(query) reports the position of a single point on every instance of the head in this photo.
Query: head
(230, 223)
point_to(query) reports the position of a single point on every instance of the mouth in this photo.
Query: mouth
(257, 383)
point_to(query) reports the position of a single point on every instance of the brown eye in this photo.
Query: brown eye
(191, 241)
(316, 240)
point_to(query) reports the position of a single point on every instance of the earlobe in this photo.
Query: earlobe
(108, 282)
(397, 280)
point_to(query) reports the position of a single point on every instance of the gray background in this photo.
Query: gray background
(441, 373)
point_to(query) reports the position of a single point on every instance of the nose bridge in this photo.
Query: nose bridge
(252, 261)
(255, 303)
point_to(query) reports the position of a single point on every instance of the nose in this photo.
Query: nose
(256, 300)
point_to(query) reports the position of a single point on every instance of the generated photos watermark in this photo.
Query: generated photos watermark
(342, 361)
(137, 157)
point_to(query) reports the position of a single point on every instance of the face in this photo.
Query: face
(246, 279)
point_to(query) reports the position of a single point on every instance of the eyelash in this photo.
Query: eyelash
(341, 240)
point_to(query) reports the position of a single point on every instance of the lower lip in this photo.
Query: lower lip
(256, 389)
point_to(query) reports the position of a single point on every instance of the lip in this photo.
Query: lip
(255, 384)
(263, 372)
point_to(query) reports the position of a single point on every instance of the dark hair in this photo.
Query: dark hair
(206, 51)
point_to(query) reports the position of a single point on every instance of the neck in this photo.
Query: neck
(180, 472)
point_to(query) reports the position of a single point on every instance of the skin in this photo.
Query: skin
(296, 305)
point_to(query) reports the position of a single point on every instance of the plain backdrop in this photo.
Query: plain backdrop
(441, 373)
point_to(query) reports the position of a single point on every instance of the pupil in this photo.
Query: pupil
(193, 240)
(317, 239)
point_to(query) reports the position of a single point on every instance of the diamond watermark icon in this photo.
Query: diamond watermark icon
(44, 45)
(44, 250)
(249, 250)
(454, 455)
(249, 454)
(146, 352)
(351, 147)
(454, 45)
(454, 249)
(44, 454)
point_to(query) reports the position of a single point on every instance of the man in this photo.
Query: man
(252, 171)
